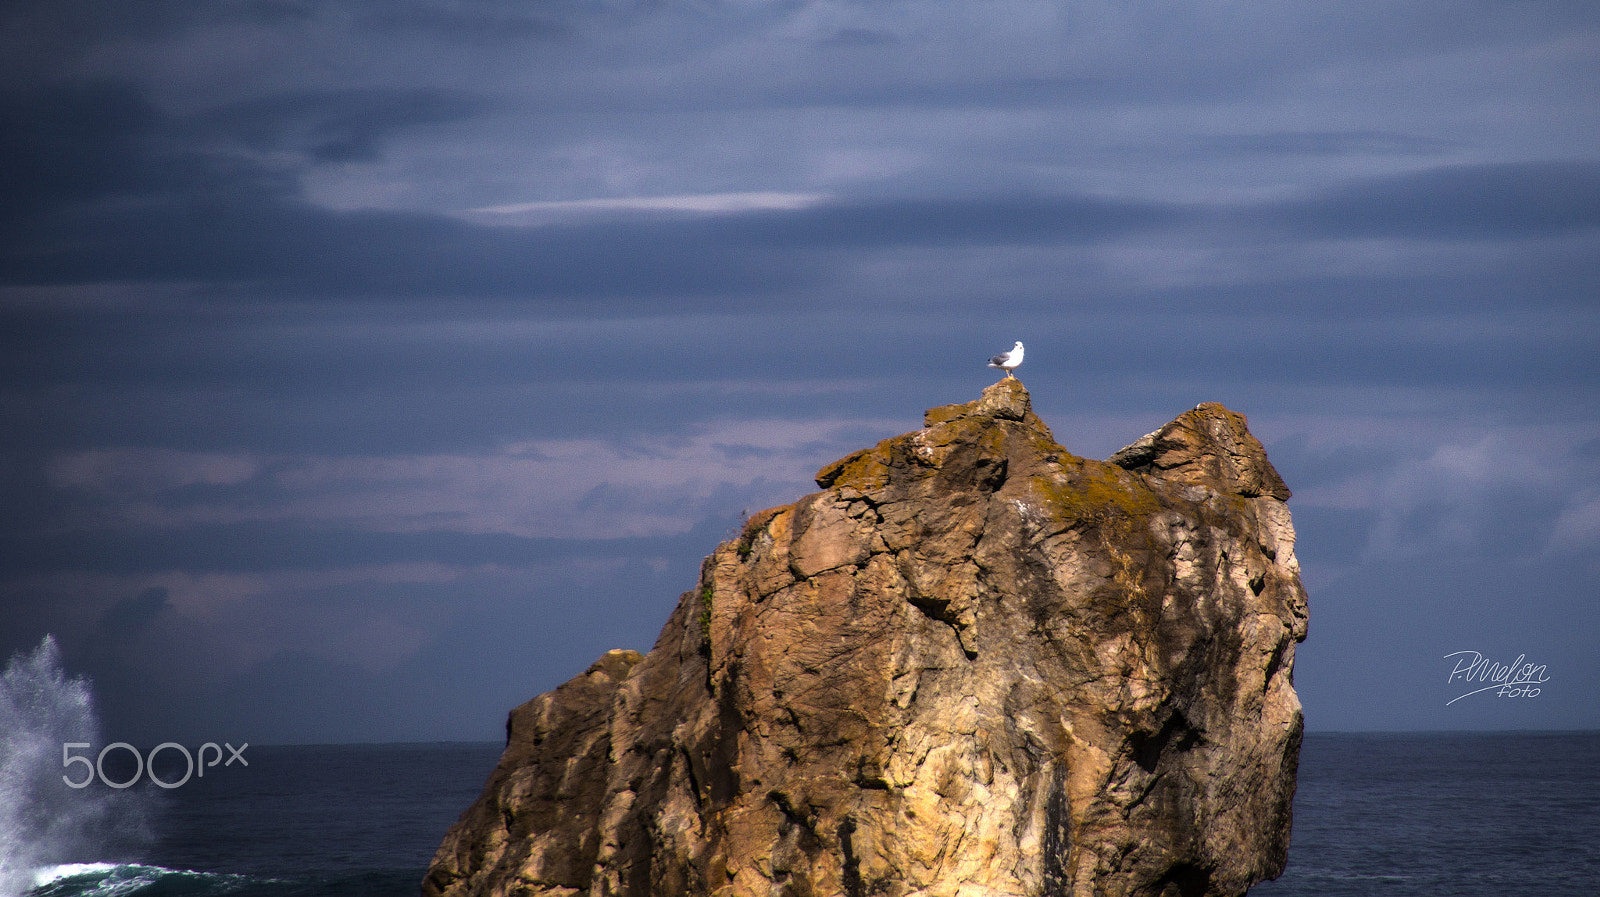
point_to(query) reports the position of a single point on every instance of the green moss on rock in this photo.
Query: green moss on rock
(1088, 490)
(705, 612)
(866, 470)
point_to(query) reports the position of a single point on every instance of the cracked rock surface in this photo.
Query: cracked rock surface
(973, 664)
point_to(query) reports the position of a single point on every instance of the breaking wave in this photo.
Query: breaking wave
(44, 823)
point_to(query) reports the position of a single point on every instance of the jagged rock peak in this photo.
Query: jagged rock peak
(1006, 400)
(973, 664)
(1209, 445)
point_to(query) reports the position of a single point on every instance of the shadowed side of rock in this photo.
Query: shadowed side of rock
(973, 664)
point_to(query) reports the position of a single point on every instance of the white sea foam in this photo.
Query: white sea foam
(43, 822)
(47, 874)
(100, 879)
(132, 880)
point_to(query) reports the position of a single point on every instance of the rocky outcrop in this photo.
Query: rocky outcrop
(973, 664)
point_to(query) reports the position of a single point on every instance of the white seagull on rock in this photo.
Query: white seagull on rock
(1008, 361)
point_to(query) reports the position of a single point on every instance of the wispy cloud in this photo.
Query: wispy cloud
(533, 489)
(694, 204)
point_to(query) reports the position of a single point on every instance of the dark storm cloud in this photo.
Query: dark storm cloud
(101, 187)
(477, 22)
(984, 93)
(108, 641)
(979, 221)
(100, 191)
(68, 144)
(275, 546)
(1323, 143)
(277, 390)
(134, 613)
(292, 248)
(332, 126)
(97, 189)
(77, 25)
(95, 195)
(58, 31)
(1511, 200)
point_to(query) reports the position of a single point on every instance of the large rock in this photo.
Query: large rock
(974, 664)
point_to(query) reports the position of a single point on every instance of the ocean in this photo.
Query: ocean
(311, 821)
(1446, 815)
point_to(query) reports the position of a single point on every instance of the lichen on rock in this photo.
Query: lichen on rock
(973, 664)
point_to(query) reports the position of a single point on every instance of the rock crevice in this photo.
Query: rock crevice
(973, 664)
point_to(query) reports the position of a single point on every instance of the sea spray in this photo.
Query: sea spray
(43, 821)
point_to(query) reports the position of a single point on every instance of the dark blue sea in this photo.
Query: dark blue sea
(1444, 815)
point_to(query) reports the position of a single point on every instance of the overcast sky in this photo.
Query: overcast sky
(369, 367)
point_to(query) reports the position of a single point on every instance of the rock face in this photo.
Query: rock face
(974, 664)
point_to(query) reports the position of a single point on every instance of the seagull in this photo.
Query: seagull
(1008, 361)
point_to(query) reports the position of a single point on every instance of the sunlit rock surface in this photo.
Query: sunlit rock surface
(974, 664)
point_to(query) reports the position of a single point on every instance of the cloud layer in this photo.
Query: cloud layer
(363, 353)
